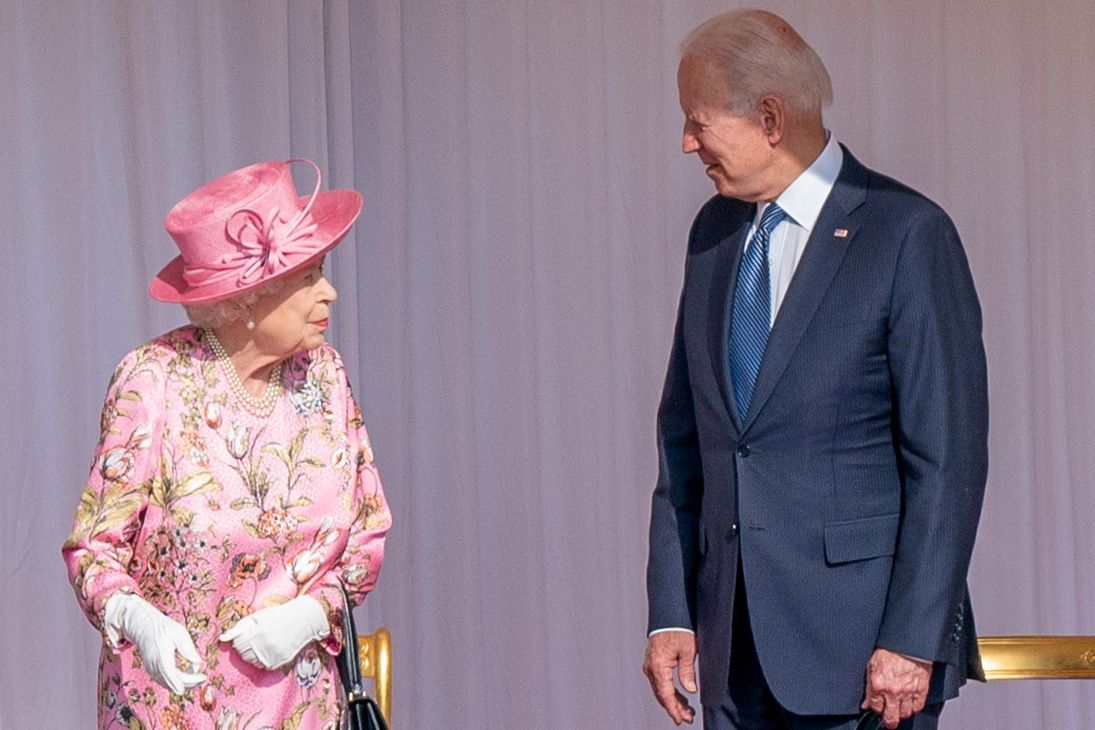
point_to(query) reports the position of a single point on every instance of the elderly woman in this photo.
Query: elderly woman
(233, 493)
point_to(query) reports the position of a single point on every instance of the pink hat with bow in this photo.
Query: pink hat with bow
(246, 228)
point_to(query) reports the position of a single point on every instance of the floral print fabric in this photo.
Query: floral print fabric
(211, 513)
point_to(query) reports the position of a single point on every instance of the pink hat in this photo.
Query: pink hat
(246, 228)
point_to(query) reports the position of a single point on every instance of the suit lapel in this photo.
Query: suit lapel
(833, 232)
(724, 279)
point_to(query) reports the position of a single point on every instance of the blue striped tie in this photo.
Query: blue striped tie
(752, 311)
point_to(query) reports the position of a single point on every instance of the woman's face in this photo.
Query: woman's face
(294, 318)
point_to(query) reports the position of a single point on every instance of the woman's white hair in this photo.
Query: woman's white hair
(233, 309)
(759, 53)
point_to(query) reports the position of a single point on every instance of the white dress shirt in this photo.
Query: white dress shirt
(802, 202)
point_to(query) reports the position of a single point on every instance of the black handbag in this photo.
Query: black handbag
(362, 712)
(869, 721)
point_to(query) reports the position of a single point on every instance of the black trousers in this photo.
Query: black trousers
(750, 705)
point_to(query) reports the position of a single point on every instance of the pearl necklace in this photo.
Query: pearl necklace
(258, 406)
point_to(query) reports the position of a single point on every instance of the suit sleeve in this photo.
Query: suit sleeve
(675, 509)
(940, 394)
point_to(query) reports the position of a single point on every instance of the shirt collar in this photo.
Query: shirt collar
(803, 199)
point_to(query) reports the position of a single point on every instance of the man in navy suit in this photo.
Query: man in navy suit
(822, 431)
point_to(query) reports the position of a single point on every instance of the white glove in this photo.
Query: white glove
(156, 637)
(271, 637)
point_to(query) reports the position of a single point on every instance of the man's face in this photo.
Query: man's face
(735, 149)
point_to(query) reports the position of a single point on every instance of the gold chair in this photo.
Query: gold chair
(375, 652)
(1038, 657)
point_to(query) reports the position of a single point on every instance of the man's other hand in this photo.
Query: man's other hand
(666, 651)
(897, 686)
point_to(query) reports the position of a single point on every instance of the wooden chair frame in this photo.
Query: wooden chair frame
(375, 651)
(1003, 657)
(1037, 657)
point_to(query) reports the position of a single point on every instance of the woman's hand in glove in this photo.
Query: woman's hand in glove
(271, 637)
(157, 638)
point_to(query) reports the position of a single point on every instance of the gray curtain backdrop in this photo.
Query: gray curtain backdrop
(507, 301)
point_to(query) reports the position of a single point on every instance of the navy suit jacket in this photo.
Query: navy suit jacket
(852, 489)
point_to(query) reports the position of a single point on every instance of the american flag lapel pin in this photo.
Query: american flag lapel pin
(841, 233)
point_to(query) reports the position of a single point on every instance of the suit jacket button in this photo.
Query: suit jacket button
(732, 532)
(743, 450)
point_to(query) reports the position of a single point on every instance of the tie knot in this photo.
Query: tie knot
(773, 214)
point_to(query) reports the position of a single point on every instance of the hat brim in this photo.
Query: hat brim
(333, 212)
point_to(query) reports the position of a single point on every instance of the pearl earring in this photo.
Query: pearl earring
(250, 323)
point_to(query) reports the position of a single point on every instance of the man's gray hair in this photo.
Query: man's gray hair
(233, 309)
(759, 53)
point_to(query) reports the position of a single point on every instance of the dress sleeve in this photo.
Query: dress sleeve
(98, 551)
(359, 565)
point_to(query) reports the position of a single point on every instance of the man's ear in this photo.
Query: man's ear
(773, 116)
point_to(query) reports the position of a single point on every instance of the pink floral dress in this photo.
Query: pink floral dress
(211, 513)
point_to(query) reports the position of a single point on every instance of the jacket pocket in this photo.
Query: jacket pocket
(860, 539)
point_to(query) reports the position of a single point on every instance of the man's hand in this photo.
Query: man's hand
(665, 651)
(897, 686)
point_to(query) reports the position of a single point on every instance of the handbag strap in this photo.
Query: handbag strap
(362, 710)
(349, 662)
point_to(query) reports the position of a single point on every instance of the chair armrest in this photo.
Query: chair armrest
(1038, 657)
